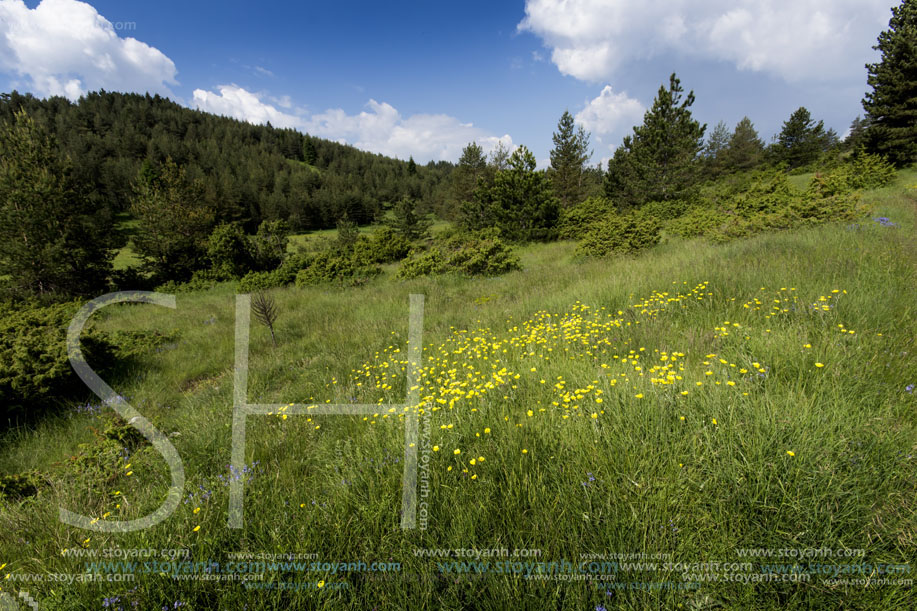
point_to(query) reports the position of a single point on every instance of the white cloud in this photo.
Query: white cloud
(238, 103)
(380, 128)
(64, 47)
(792, 39)
(610, 115)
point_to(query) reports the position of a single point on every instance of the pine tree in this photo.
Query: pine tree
(173, 222)
(857, 135)
(521, 201)
(52, 243)
(471, 168)
(308, 151)
(659, 162)
(499, 157)
(406, 221)
(568, 160)
(745, 149)
(801, 140)
(715, 150)
(891, 106)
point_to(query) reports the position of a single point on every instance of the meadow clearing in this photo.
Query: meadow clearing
(736, 422)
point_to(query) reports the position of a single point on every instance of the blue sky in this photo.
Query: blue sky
(425, 78)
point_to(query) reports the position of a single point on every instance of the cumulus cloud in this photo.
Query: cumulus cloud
(65, 47)
(792, 39)
(610, 115)
(239, 103)
(380, 128)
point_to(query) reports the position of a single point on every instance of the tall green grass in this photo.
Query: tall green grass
(690, 489)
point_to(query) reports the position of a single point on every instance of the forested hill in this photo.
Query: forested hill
(249, 173)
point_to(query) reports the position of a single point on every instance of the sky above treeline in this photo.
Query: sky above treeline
(424, 78)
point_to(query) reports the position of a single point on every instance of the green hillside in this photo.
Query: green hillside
(685, 405)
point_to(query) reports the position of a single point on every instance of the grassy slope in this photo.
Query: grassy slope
(689, 488)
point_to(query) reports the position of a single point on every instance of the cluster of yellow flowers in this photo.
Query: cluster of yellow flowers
(471, 371)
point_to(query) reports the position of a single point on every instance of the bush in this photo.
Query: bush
(229, 251)
(576, 220)
(34, 368)
(865, 171)
(697, 222)
(485, 258)
(20, 485)
(384, 245)
(620, 234)
(664, 211)
(424, 263)
(328, 267)
(478, 254)
(285, 274)
(269, 245)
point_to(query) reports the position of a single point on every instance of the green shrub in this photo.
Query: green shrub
(20, 485)
(485, 258)
(697, 222)
(283, 275)
(269, 245)
(480, 253)
(201, 280)
(865, 171)
(424, 263)
(575, 221)
(34, 369)
(665, 210)
(328, 266)
(384, 245)
(229, 251)
(620, 234)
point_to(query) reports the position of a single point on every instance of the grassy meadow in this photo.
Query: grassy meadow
(735, 422)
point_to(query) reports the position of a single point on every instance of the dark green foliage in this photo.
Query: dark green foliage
(428, 262)
(250, 173)
(768, 202)
(327, 267)
(254, 281)
(576, 221)
(407, 222)
(347, 234)
(568, 161)
(802, 140)
(659, 162)
(714, 154)
(382, 246)
(864, 171)
(20, 485)
(283, 275)
(620, 234)
(269, 245)
(474, 254)
(745, 149)
(174, 224)
(698, 221)
(520, 203)
(52, 243)
(472, 168)
(34, 368)
(664, 211)
(856, 139)
(200, 280)
(891, 106)
(229, 251)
